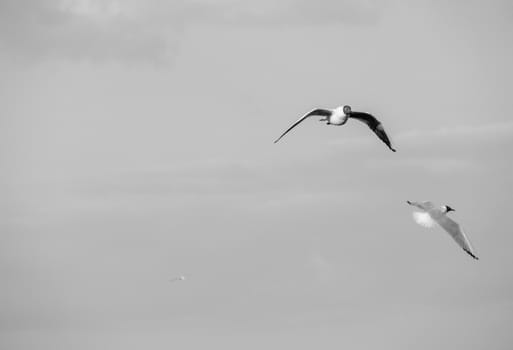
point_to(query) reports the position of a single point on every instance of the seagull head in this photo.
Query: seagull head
(347, 109)
(448, 209)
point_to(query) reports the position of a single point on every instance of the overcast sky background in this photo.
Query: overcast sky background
(136, 146)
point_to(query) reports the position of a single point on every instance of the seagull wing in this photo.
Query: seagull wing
(456, 232)
(426, 206)
(374, 124)
(318, 112)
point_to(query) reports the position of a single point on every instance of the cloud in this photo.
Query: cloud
(86, 29)
(441, 151)
(137, 30)
(484, 131)
(296, 12)
(448, 139)
(458, 147)
(438, 165)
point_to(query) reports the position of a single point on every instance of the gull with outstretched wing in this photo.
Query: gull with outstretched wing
(429, 215)
(339, 116)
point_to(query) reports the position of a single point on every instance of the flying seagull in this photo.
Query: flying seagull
(179, 278)
(429, 214)
(339, 116)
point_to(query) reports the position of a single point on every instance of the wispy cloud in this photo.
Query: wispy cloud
(87, 29)
(266, 185)
(488, 130)
(462, 133)
(438, 165)
(136, 30)
(440, 151)
(294, 12)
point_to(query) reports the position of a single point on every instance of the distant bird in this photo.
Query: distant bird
(179, 278)
(339, 116)
(429, 214)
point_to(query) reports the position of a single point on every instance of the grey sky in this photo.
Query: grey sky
(136, 145)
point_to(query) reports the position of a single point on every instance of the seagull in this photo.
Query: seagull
(179, 278)
(339, 116)
(429, 214)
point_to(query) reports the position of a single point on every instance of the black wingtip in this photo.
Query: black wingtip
(408, 202)
(393, 150)
(471, 254)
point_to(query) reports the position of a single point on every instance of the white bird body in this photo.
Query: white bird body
(338, 117)
(429, 215)
(423, 219)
